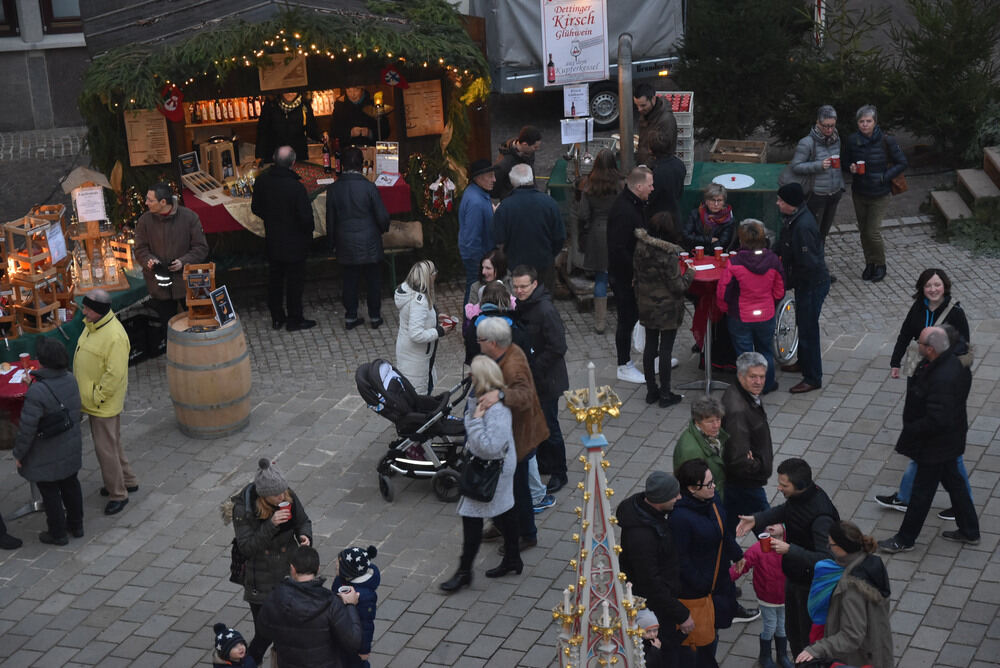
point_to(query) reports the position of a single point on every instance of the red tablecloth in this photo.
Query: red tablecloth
(703, 287)
(216, 219)
(11, 402)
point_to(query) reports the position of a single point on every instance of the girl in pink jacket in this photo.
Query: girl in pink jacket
(769, 585)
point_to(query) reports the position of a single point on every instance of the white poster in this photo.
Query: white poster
(576, 101)
(57, 242)
(577, 130)
(90, 204)
(574, 41)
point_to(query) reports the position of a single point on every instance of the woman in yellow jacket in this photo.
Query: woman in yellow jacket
(100, 365)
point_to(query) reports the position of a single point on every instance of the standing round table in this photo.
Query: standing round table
(11, 402)
(707, 272)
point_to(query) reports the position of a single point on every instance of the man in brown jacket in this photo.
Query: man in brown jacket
(655, 117)
(167, 237)
(519, 395)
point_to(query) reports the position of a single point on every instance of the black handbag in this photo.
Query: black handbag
(237, 560)
(53, 424)
(479, 477)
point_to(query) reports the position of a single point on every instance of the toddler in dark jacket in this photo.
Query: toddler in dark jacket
(357, 570)
(230, 648)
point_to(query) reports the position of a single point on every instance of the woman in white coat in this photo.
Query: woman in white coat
(488, 435)
(419, 330)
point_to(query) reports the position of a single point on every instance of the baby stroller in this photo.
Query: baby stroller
(431, 439)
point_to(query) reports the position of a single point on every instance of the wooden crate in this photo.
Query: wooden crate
(199, 280)
(737, 150)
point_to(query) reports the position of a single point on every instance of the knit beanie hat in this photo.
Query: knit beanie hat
(226, 639)
(269, 481)
(661, 487)
(355, 561)
(792, 194)
(645, 619)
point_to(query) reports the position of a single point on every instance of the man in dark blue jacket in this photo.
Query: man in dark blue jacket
(280, 199)
(801, 251)
(309, 624)
(935, 423)
(529, 226)
(356, 219)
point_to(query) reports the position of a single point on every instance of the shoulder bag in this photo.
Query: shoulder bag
(53, 424)
(479, 477)
(702, 609)
(897, 184)
(912, 357)
(237, 561)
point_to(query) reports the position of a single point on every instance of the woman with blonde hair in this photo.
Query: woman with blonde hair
(419, 329)
(489, 435)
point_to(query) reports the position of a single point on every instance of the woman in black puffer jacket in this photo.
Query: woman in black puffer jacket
(871, 188)
(267, 533)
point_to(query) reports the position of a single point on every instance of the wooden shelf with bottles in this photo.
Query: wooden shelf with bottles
(94, 238)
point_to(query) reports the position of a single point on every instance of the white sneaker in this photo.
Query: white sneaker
(673, 364)
(629, 374)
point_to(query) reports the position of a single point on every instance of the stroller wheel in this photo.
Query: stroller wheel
(385, 488)
(445, 483)
(383, 466)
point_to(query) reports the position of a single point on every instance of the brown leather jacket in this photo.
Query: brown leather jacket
(176, 236)
(522, 400)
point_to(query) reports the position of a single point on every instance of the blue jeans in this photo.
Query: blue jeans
(808, 304)
(772, 619)
(601, 284)
(738, 501)
(471, 276)
(750, 336)
(535, 481)
(925, 484)
(906, 484)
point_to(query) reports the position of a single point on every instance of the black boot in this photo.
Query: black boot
(866, 275)
(764, 660)
(879, 273)
(781, 652)
(506, 567)
(458, 580)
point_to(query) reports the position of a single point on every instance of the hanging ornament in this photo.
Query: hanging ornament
(442, 195)
(170, 105)
(392, 77)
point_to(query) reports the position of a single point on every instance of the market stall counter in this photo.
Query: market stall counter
(69, 332)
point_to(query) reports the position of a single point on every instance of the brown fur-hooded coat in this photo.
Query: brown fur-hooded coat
(659, 284)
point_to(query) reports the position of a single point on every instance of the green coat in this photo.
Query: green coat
(692, 445)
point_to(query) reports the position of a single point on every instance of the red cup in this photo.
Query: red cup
(765, 542)
(835, 161)
(25, 359)
(699, 252)
(860, 166)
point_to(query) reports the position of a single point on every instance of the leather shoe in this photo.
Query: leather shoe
(105, 492)
(556, 482)
(504, 568)
(866, 275)
(49, 539)
(791, 368)
(879, 273)
(8, 542)
(351, 324)
(457, 581)
(115, 507)
(522, 545)
(76, 533)
(300, 324)
(375, 324)
(803, 387)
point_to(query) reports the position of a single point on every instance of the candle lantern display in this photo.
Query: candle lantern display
(35, 244)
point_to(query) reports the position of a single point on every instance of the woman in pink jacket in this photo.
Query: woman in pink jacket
(750, 286)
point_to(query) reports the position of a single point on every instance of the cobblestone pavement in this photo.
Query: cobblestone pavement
(144, 587)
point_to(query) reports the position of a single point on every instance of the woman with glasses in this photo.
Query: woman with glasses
(712, 223)
(705, 547)
(849, 603)
(817, 159)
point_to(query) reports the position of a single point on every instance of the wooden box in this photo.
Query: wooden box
(199, 279)
(736, 150)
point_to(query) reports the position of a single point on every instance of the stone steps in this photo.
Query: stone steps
(991, 163)
(951, 205)
(978, 185)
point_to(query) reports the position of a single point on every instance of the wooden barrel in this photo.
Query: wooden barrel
(209, 377)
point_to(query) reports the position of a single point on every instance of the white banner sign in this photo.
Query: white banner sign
(574, 41)
(576, 101)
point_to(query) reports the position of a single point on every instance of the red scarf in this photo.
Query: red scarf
(710, 221)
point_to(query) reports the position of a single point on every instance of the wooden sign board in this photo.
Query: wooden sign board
(148, 142)
(283, 72)
(424, 108)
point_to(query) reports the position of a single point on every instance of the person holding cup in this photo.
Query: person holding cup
(268, 533)
(419, 326)
(769, 585)
(874, 158)
(817, 157)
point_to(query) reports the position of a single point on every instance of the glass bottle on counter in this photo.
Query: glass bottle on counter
(218, 112)
(327, 165)
(110, 265)
(86, 279)
(257, 105)
(244, 113)
(97, 265)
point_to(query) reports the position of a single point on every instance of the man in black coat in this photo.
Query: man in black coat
(649, 558)
(538, 316)
(356, 219)
(310, 625)
(668, 178)
(280, 199)
(807, 513)
(801, 251)
(529, 226)
(934, 427)
(625, 216)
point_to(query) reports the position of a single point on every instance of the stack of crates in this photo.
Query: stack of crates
(682, 104)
